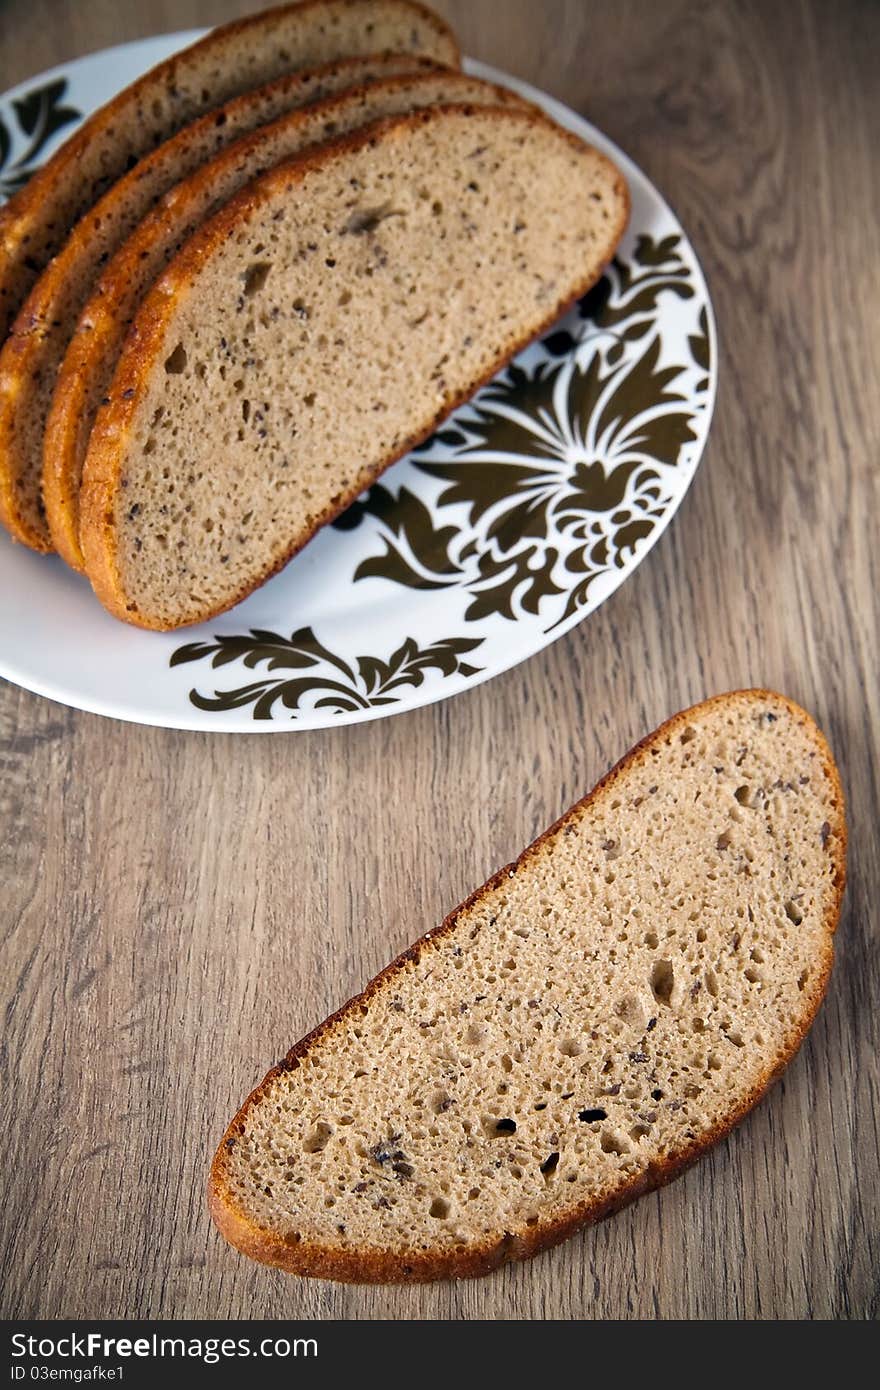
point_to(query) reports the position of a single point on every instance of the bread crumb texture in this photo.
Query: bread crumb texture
(319, 326)
(584, 1026)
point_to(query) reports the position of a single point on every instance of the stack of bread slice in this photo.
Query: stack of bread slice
(295, 247)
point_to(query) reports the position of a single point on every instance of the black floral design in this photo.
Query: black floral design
(700, 351)
(553, 469)
(339, 687)
(39, 114)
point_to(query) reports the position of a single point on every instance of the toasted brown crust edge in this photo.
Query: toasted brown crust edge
(420, 1266)
(19, 362)
(10, 511)
(65, 428)
(109, 436)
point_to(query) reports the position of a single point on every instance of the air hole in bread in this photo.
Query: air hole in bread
(364, 220)
(663, 981)
(255, 277)
(316, 1142)
(613, 1144)
(549, 1166)
(175, 363)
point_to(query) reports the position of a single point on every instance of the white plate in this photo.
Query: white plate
(527, 509)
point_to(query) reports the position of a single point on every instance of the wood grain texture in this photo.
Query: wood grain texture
(179, 908)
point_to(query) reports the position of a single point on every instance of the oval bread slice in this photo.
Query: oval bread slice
(87, 371)
(230, 60)
(34, 350)
(578, 1032)
(316, 329)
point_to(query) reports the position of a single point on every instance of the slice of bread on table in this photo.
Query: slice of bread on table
(578, 1032)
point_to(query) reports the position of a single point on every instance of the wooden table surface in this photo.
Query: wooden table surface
(178, 908)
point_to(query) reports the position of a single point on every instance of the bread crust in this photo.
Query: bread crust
(10, 511)
(418, 1266)
(140, 353)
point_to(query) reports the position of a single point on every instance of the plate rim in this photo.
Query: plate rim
(455, 684)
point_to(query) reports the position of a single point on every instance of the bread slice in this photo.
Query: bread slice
(232, 59)
(315, 329)
(34, 350)
(578, 1032)
(87, 371)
